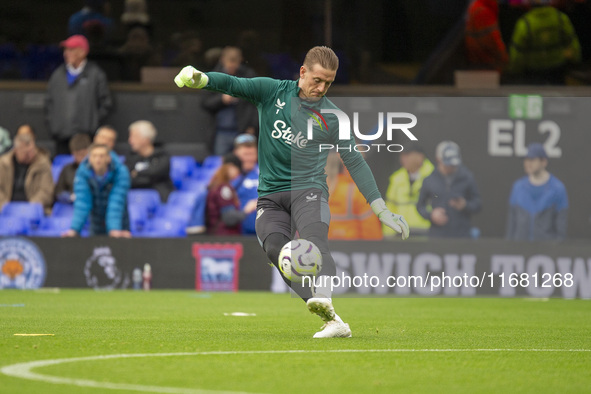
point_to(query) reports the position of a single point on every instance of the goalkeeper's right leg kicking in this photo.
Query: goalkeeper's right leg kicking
(278, 216)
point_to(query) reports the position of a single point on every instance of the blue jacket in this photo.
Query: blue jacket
(438, 190)
(537, 213)
(246, 188)
(105, 199)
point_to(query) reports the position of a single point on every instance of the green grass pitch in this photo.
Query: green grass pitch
(402, 345)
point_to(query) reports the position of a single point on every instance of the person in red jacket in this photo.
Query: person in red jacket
(485, 48)
(223, 213)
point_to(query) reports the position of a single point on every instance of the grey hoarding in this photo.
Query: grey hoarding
(457, 268)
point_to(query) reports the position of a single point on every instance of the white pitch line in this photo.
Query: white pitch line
(24, 370)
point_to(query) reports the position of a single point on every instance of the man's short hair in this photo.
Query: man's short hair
(29, 126)
(322, 55)
(94, 146)
(79, 141)
(106, 127)
(23, 139)
(146, 128)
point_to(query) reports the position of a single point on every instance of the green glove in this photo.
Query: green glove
(191, 78)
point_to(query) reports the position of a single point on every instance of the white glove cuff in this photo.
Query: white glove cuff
(203, 81)
(378, 206)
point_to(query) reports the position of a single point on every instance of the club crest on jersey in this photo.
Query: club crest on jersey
(281, 131)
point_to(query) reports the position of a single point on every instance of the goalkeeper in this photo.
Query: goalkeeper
(292, 188)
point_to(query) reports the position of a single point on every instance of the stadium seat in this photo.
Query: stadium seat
(180, 213)
(145, 197)
(12, 225)
(212, 162)
(56, 170)
(196, 223)
(164, 228)
(62, 160)
(183, 198)
(31, 211)
(195, 185)
(52, 227)
(61, 210)
(138, 218)
(180, 168)
(204, 174)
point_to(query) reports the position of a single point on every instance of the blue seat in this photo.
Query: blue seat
(194, 185)
(149, 198)
(175, 212)
(196, 223)
(203, 174)
(180, 168)
(62, 160)
(61, 210)
(52, 227)
(31, 211)
(164, 228)
(138, 218)
(13, 225)
(212, 162)
(56, 170)
(183, 198)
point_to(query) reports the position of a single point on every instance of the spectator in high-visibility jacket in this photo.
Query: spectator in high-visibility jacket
(544, 43)
(485, 48)
(351, 216)
(405, 186)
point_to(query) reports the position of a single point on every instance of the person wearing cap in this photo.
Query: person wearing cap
(538, 205)
(449, 196)
(78, 96)
(247, 183)
(405, 186)
(223, 212)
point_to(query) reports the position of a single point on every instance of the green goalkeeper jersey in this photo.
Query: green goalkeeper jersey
(288, 160)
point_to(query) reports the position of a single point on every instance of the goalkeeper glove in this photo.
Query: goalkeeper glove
(191, 78)
(390, 219)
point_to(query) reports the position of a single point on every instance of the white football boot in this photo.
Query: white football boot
(334, 327)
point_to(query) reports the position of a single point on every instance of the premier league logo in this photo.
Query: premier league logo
(22, 266)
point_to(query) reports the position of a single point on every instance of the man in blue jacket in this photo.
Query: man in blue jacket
(101, 186)
(449, 195)
(538, 204)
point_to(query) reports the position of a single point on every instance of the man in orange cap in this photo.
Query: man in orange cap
(78, 97)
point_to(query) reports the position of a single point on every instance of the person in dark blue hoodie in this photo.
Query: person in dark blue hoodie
(101, 185)
(538, 205)
(449, 196)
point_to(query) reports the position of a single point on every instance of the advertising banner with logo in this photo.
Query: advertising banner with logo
(454, 268)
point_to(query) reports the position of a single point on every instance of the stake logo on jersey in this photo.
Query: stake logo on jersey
(281, 131)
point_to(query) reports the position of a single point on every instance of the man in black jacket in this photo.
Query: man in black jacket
(449, 195)
(148, 166)
(233, 116)
(78, 97)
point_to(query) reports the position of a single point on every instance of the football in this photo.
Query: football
(299, 258)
